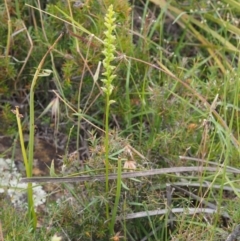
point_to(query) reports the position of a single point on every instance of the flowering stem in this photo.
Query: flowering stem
(107, 88)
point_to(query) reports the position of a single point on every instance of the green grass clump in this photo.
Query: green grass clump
(15, 225)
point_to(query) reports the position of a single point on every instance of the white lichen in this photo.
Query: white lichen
(9, 184)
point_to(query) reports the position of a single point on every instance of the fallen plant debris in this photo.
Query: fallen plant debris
(113, 176)
(235, 234)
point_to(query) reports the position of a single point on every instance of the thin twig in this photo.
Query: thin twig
(183, 211)
(1, 232)
(113, 176)
(235, 234)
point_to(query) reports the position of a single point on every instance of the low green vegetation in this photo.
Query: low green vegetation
(146, 94)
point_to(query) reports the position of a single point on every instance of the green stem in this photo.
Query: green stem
(28, 160)
(106, 145)
(118, 193)
(9, 30)
(31, 212)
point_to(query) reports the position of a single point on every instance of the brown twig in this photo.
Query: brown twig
(113, 176)
(235, 234)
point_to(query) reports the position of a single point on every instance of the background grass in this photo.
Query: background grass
(176, 93)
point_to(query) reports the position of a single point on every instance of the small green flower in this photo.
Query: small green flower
(109, 49)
